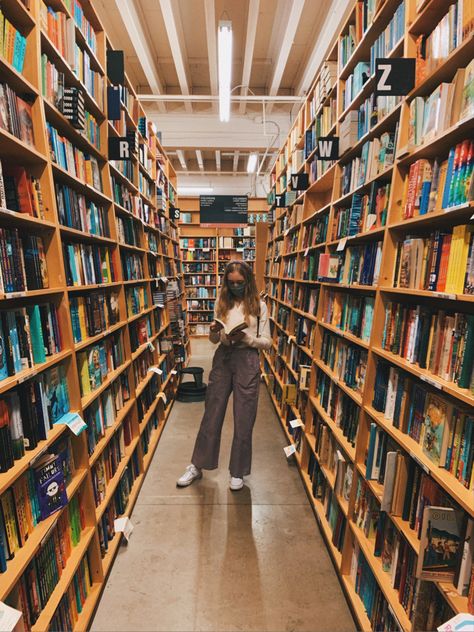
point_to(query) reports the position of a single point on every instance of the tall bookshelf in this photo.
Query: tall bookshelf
(334, 330)
(119, 369)
(205, 253)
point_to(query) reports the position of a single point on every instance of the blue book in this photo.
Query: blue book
(3, 355)
(14, 341)
(449, 177)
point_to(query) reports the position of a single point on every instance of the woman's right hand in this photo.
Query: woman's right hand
(215, 327)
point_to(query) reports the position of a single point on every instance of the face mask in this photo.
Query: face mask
(238, 290)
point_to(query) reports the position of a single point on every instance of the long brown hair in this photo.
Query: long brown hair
(250, 300)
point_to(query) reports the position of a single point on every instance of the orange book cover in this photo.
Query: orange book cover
(26, 122)
(443, 263)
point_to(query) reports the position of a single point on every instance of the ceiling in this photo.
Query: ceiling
(171, 49)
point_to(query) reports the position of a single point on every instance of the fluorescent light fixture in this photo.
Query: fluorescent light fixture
(224, 51)
(197, 190)
(252, 162)
(181, 159)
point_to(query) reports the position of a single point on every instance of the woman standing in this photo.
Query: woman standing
(235, 369)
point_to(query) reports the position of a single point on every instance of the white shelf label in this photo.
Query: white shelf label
(341, 245)
(422, 465)
(296, 423)
(74, 422)
(155, 369)
(451, 297)
(151, 346)
(125, 526)
(289, 450)
(306, 251)
(9, 617)
(163, 397)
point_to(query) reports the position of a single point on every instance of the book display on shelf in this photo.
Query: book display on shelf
(368, 277)
(84, 246)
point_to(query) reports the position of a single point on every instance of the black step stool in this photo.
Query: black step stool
(192, 391)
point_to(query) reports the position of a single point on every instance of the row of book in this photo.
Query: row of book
(348, 362)
(137, 299)
(140, 332)
(20, 191)
(88, 264)
(93, 314)
(359, 264)
(28, 335)
(72, 602)
(12, 44)
(367, 212)
(16, 115)
(349, 313)
(28, 413)
(376, 156)
(389, 37)
(66, 155)
(109, 460)
(132, 266)
(437, 340)
(102, 412)
(441, 262)
(448, 104)
(444, 431)
(22, 262)
(432, 186)
(26, 503)
(198, 242)
(75, 211)
(128, 231)
(343, 411)
(96, 362)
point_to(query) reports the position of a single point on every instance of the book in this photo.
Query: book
(230, 326)
(440, 543)
(50, 484)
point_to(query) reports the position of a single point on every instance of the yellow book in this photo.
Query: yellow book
(107, 267)
(10, 522)
(460, 270)
(442, 181)
(2, 31)
(84, 373)
(452, 261)
(81, 308)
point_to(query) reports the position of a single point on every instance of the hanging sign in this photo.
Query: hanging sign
(328, 148)
(119, 148)
(299, 181)
(394, 77)
(280, 201)
(116, 67)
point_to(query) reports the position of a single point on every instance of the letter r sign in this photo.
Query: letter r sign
(394, 77)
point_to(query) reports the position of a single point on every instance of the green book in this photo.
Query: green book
(468, 357)
(36, 334)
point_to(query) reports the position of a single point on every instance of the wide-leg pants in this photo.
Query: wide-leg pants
(234, 369)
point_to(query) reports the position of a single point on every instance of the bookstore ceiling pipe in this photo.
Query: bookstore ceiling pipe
(205, 97)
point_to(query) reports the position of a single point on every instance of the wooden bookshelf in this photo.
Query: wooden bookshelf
(301, 306)
(143, 195)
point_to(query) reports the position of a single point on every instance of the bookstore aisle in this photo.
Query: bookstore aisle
(205, 558)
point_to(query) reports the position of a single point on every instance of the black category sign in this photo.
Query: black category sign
(120, 148)
(328, 148)
(223, 209)
(299, 181)
(175, 213)
(394, 77)
(280, 200)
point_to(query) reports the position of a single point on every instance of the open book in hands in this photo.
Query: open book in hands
(231, 327)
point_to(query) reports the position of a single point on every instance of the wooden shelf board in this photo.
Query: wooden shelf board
(349, 450)
(27, 374)
(344, 334)
(85, 236)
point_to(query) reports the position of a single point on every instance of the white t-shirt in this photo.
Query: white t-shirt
(263, 341)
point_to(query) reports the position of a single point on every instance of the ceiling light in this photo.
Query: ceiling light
(181, 159)
(194, 190)
(224, 50)
(252, 163)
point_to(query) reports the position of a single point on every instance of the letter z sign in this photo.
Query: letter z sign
(394, 77)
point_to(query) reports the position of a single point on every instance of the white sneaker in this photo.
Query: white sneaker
(191, 474)
(236, 483)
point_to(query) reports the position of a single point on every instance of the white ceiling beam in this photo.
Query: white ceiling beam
(335, 16)
(218, 160)
(252, 20)
(211, 36)
(236, 162)
(174, 30)
(199, 159)
(182, 161)
(131, 20)
(285, 47)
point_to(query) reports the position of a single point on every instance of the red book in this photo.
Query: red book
(443, 264)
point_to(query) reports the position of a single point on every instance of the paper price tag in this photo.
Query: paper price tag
(155, 369)
(289, 450)
(163, 397)
(74, 422)
(9, 617)
(174, 372)
(286, 232)
(296, 423)
(306, 252)
(160, 305)
(451, 297)
(125, 526)
(371, 219)
(151, 346)
(342, 244)
(164, 279)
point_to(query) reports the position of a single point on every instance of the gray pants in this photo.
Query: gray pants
(237, 370)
